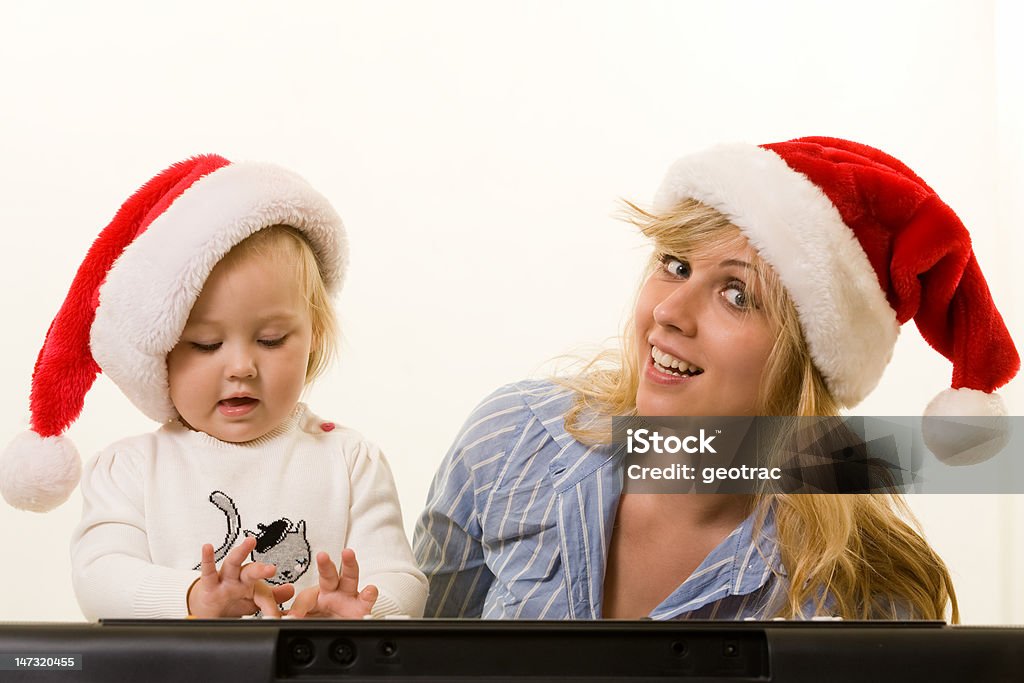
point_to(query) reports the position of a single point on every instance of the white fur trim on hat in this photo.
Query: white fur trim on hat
(149, 292)
(39, 473)
(849, 326)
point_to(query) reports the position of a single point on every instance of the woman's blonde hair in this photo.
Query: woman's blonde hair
(854, 550)
(287, 244)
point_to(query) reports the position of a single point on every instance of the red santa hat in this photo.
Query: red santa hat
(862, 245)
(132, 296)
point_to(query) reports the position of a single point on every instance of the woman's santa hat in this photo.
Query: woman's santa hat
(862, 245)
(133, 294)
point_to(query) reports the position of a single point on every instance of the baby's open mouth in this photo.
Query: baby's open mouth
(670, 365)
(238, 401)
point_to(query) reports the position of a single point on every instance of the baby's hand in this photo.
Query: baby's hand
(235, 590)
(337, 596)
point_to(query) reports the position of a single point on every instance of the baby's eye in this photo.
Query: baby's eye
(271, 343)
(675, 267)
(205, 348)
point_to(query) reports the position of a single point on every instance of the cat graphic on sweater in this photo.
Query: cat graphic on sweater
(280, 543)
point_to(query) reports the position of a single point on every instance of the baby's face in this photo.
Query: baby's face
(240, 365)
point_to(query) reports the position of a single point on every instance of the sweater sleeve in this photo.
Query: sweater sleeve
(378, 537)
(112, 572)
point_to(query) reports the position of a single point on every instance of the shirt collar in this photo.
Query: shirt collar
(741, 564)
(574, 461)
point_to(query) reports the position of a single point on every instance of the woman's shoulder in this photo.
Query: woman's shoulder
(537, 396)
(514, 418)
(540, 401)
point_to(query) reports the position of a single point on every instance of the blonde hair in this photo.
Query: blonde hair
(855, 550)
(287, 244)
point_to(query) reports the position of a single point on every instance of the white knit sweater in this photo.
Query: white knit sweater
(148, 511)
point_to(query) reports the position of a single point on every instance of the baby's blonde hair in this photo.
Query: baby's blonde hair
(855, 549)
(288, 245)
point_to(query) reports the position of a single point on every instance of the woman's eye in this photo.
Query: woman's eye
(736, 294)
(271, 343)
(676, 267)
(205, 348)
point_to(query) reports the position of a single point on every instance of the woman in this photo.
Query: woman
(778, 282)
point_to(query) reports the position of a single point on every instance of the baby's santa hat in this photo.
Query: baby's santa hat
(862, 245)
(132, 296)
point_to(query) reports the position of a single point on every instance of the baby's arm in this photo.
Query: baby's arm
(112, 571)
(377, 536)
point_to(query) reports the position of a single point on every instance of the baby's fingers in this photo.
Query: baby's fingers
(207, 565)
(305, 601)
(233, 561)
(256, 572)
(369, 596)
(328, 573)
(263, 596)
(283, 593)
(349, 582)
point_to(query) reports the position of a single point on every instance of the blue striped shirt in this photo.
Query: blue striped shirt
(518, 524)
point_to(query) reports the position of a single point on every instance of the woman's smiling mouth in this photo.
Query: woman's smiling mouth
(668, 364)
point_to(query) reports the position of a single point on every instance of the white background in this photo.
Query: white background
(476, 152)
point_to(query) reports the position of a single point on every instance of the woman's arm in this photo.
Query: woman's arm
(447, 544)
(449, 538)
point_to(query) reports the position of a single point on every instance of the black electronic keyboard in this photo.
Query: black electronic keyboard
(435, 651)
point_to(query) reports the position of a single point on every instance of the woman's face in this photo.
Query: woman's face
(702, 336)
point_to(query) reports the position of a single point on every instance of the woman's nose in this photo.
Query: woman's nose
(678, 310)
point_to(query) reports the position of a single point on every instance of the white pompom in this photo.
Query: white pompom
(39, 473)
(965, 426)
